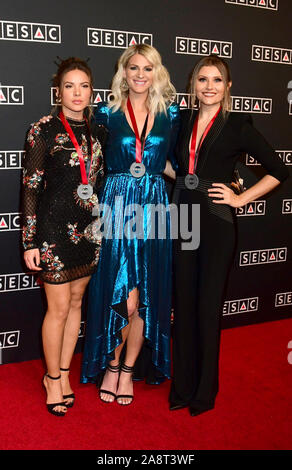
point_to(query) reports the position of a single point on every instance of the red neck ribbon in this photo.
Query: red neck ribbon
(77, 147)
(193, 160)
(140, 141)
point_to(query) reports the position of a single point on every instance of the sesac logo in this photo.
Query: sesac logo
(285, 155)
(273, 255)
(117, 39)
(21, 31)
(9, 339)
(196, 46)
(233, 307)
(287, 206)
(19, 281)
(184, 101)
(239, 103)
(252, 208)
(11, 94)
(10, 221)
(269, 4)
(99, 94)
(11, 159)
(252, 105)
(271, 54)
(283, 299)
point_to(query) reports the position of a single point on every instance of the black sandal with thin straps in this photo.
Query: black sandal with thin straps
(114, 369)
(128, 370)
(51, 406)
(70, 395)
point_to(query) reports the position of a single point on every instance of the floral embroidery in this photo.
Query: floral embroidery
(96, 171)
(93, 232)
(74, 160)
(86, 203)
(61, 138)
(28, 232)
(84, 147)
(34, 180)
(96, 256)
(34, 131)
(74, 236)
(52, 262)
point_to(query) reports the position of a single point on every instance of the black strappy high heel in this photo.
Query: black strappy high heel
(128, 370)
(70, 395)
(114, 369)
(51, 406)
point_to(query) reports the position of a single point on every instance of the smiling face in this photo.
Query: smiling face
(75, 92)
(209, 86)
(138, 74)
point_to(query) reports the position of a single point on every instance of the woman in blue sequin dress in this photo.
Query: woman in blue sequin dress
(130, 293)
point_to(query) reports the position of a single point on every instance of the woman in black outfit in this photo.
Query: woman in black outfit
(217, 138)
(63, 168)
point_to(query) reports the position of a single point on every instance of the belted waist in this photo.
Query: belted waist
(203, 185)
(180, 183)
(223, 211)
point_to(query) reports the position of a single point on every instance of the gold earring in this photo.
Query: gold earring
(124, 85)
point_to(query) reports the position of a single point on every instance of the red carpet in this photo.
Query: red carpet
(253, 409)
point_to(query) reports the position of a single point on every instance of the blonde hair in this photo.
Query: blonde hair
(224, 70)
(161, 93)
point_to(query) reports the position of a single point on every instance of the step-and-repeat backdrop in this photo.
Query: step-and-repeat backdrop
(254, 36)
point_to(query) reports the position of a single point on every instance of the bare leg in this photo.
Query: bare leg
(110, 381)
(134, 343)
(58, 299)
(71, 331)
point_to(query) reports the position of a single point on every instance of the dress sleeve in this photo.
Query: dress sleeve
(101, 114)
(174, 113)
(255, 144)
(32, 184)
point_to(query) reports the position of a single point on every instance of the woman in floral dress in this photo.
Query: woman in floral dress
(63, 156)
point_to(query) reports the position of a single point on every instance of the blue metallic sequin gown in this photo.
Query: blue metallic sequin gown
(125, 262)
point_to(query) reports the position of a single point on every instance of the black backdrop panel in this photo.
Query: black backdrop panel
(255, 38)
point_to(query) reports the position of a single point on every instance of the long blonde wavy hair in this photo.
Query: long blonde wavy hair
(161, 93)
(224, 70)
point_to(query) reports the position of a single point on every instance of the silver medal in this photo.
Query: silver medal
(191, 181)
(85, 191)
(137, 169)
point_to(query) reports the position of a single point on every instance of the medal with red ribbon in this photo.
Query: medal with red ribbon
(137, 168)
(192, 180)
(84, 190)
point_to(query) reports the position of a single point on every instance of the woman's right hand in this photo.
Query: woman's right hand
(45, 119)
(32, 259)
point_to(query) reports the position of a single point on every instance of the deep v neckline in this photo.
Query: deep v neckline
(133, 132)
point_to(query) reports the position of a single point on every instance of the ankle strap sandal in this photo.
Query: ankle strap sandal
(70, 395)
(128, 370)
(114, 369)
(51, 406)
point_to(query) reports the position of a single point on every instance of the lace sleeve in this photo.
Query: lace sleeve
(32, 184)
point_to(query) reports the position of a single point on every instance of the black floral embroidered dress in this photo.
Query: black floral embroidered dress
(54, 217)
